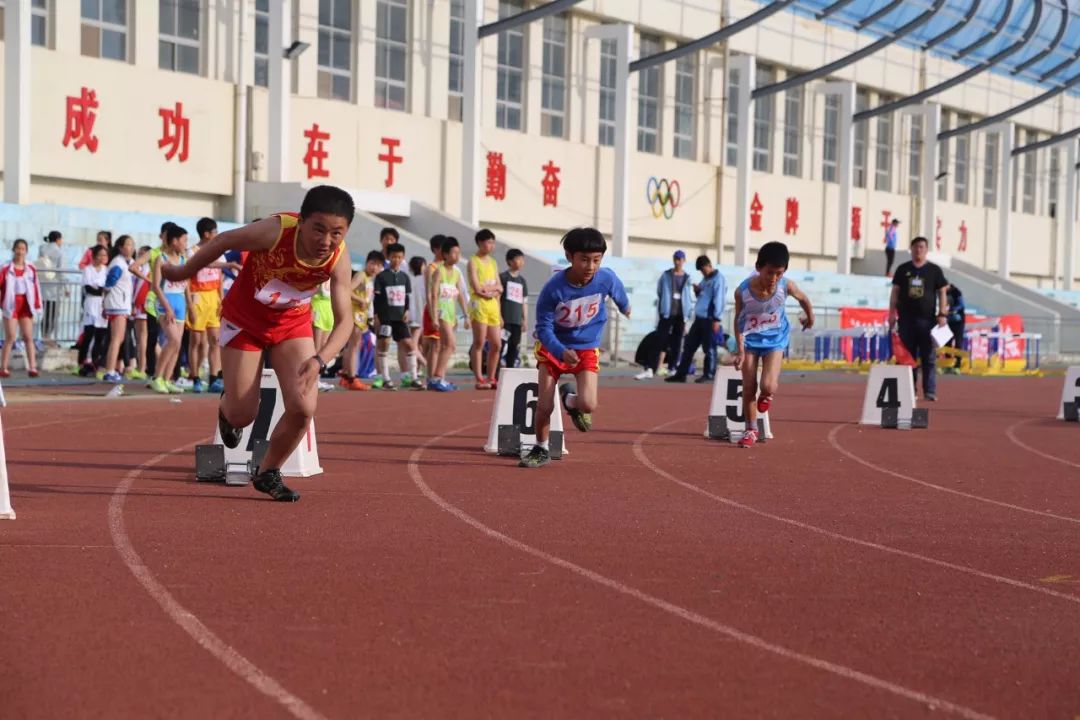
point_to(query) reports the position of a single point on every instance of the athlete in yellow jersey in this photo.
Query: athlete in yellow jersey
(484, 310)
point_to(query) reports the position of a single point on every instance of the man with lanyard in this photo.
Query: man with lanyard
(918, 303)
(890, 246)
(674, 307)
(707, 312)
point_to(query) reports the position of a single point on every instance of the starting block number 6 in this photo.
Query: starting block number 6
(526, 395)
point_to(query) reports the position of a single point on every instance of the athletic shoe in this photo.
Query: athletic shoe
(113, 377)
(174, 388)
(269, 482)
(930, 397)
(406, 380)
(325, 386)
(183, 383)
(158, 385)
(494, 383)
(676, 378)
(377, 383)
(135, 375)
(230, 436)
(432, 384)
(663, 372)
(218, 386)
(764, 403)
(388, 385)
(356, 384)
(198, 386)
(748, 439)
(443, 386)
(450, 384)
(100, 374)
(703, 379)
(647, 374)
(537, 457)
(483, 386)
(582, 421)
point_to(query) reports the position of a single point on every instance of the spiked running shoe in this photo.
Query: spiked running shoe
(764, 403)
(230, 436)
(582, 420)
(537, 457)
(748, 439)
(269, 482)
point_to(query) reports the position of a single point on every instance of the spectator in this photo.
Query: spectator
(103, 239)
(387, 237)
(417, 298)
(95, 336)
(918, 303)
(957, 321)
(890, 245)
(138, 312)
(674, 307)
(117, 303)
(515, 305)
(21, 295)
(705, 330)
(51, 257)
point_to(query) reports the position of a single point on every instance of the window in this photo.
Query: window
(862, 133)
(178, 35)
(608, 65)
(553, 83)
(731, 102)
(648, 107)
(831, 140)
(510, 85)
(391, 54)
(883, 149)
(1052, 185)
(963, 158)
(457, 58)
(793, 103)
(685, 106)
(262, 43)
(335, 49)
(39, 18)
(1030, 168)
(990, 175)
(943, 160)
(764, 116)
(915, 144)
(104, 29)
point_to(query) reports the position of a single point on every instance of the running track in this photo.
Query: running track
(837, 571)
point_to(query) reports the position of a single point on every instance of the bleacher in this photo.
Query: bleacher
(1067, 297)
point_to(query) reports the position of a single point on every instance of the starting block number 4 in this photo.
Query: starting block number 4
(889, 388)
(1070, 395)
(513, 418)
(726, 419)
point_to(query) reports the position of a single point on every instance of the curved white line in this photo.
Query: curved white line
(639, 452)
(979, 498)
(668, 607)
(183, 617)
(1010, 432)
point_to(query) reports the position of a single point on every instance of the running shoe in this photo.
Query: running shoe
(676, 378)
(198, 386)
(494, 383)
(158, 385)
(764, 403)
(325, 386)
(443, 386)
(703, 379)
(269, 482)
(135, 375)
(230, 436)
(377, 383)
(217, 386)
(748, 439)
(483, 386)
(183, 383)
(646, 374)
(432, 384)
(113, 377)
(537, 457)
(174, 388)
(663, 372)
(582, 420)
(388, 385)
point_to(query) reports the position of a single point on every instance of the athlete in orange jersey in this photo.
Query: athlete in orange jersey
(269, 308)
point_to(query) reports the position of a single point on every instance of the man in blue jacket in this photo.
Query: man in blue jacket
(708, 309)
(674, 308)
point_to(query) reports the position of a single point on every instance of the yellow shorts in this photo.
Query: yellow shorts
(205, 311)
(485, 311)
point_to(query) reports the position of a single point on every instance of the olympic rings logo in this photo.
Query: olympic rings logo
(663, 196)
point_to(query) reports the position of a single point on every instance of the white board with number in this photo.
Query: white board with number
(1070, 390)
(304, 461)
(515, 404)
(727, 402)
(889, 386)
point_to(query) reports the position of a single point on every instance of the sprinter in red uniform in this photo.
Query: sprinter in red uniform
(269, 308)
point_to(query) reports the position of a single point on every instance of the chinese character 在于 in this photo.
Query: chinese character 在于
(755, 213)
(79, 127)
(390, 158)
(174, 132)
(791, 217)
(551, 184)
(316, 152)
(496, 176)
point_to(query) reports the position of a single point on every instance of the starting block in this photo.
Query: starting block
(211, 464)
(1069, 412)
(719, 430)
(1070, 395)
(891, 420)
(510, 442)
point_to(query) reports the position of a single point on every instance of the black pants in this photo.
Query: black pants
(48, 322)
(94, 345)
(890, 256)
(670, 329)
(915, 334)
(957, 339)
(127, 349)
(511, 346)
(152, 331)
(701, 335)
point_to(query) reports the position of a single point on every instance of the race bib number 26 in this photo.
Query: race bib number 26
(395, 295)
(577, 312)
(281, 296)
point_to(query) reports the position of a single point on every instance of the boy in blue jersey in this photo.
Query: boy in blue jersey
(762, 331)
(570, 316)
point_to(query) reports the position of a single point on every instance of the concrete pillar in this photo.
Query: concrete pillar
(746, 67)
(1069, 216)
(280, 95)
(1005, 148)
(17, 102)
(470, 114)
(845, 164)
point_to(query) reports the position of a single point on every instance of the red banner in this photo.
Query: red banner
(981, 347)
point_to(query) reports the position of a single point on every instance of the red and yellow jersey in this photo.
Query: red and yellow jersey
(275, 286)
(206, 280)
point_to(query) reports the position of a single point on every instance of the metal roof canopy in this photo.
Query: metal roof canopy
(537, 13)
(1046, 142)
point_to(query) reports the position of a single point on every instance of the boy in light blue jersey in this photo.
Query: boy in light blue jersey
(570, 317)
(762, 331)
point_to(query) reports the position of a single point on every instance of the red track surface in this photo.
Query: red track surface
(837, 571)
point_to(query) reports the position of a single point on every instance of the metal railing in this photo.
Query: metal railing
(62, 306)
